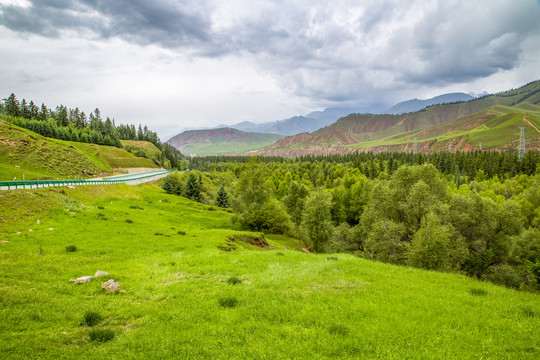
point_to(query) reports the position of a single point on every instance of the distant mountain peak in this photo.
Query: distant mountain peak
(414, 105)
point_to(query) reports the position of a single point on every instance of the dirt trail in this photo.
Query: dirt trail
(526, 118)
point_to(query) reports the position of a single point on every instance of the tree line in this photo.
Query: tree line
(484, 226)
(74, 125)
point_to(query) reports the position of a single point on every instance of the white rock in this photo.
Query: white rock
(111, 286)
(101, 273)
(82, 280)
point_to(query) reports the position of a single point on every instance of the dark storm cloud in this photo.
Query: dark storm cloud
(169, 24)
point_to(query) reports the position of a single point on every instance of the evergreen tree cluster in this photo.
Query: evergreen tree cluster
(74, 125)
(191, 189)
(463, 166)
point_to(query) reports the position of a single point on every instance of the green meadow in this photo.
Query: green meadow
(194, 289)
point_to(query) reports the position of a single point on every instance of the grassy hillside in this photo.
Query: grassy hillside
(217, 141)
(187, 298)
(496, 127)
(365, 130)
(23, 152)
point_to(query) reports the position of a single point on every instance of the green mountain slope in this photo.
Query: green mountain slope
(25, 153)
(496, 128)
(365, 129)
(185, 298)
(223, 140)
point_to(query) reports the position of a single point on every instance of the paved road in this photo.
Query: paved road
(130, 179)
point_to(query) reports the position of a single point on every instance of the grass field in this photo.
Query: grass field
(186, 298)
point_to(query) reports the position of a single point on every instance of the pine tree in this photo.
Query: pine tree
(222, 199)
(167, 186)
(192, 189)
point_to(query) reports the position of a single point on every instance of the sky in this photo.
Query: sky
(177, 64)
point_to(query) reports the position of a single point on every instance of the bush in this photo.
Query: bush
(71, 248)
(91, 318)
(233, 280)
(180, 232)
(228, 302)
(129, 221)
(338, 329)
(101, 335)
(478, 292)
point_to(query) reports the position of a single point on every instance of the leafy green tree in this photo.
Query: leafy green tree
(386, 241)
(294, 201)
(254, 206)
(434, 247)
(222, 199)
(316, 220)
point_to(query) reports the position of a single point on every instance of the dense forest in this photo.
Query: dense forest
(74, 125)
(473, 213)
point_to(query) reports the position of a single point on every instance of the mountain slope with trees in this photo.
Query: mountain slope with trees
(74, 125)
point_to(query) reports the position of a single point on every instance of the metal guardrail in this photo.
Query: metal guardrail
(36, 184)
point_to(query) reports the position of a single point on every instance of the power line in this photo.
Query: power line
(521, 147)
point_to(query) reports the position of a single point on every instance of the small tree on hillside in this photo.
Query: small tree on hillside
(222, 199)
(193, 188)
(167, 186)
(316, 220)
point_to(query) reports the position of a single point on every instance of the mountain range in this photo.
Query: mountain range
(457, 121)
(491, 121)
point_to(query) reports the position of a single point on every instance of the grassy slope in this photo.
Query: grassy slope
(357, 128)
(494, 127)
(224, 140)
(143, 145)
(25, 152)
(291, 304)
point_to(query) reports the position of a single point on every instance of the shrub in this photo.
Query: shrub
(233, 280)
(228, 302)
(91, 318)
(338, 329)
(158, 234)
(331, 258)
(129, 221)
(101, 335)
(71, 248)
(100, 207)
(180, 232)
(528, 311)
(478, 292)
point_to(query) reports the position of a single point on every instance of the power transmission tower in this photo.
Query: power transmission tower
(480, 146)
(521, 146)
(450, 146)
(415, 146)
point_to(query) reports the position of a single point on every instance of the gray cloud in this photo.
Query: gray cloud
(168, 24)
(343, 51)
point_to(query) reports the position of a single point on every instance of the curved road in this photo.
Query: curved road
(130, 179)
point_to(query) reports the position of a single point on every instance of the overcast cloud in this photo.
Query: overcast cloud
(174, 64)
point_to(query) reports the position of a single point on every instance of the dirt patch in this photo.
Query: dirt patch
(258, 240)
